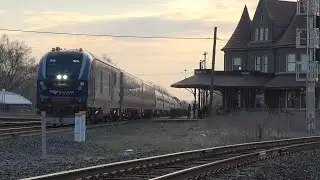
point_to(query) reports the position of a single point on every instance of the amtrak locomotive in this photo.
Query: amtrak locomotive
(70, 81)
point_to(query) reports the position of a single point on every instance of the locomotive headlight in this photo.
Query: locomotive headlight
(41, 83)
(65, 77)
(59, 77)
(81, 83)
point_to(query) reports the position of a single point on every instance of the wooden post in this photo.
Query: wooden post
(213, 67)
(43, 133)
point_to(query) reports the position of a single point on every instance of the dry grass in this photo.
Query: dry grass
(20, 155)
(259, 125)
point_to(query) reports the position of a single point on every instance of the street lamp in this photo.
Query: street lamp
(185, 73)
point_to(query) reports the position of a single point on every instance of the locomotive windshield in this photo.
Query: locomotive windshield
(63, 65)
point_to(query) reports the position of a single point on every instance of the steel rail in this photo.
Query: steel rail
(21, 128)
(25, 128)
(20, 118)
(215, 167)
(19, 124)
(145, 163)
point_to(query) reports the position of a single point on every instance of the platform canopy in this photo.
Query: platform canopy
(11, 98)
(195, 81)
(202, 79)
(282, 80)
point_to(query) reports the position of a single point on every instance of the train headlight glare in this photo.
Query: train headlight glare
(65, 76)
(59, 77)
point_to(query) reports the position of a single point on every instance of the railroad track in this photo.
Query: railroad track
(11, 129)
(20, 118)
(32, 126)
(197, 164)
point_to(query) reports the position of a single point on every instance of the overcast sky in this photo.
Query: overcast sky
(161, 61)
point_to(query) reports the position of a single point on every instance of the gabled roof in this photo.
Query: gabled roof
(241, 34)
(280, 12)
(289, 36)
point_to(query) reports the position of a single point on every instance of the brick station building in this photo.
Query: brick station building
(260, 61)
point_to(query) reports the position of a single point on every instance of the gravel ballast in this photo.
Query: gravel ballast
(303, 165)
(20, 157)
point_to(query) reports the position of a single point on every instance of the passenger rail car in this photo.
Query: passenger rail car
(159, 111)
(70, 81)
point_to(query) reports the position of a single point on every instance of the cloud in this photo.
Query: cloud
(2, 11)
(207, 10)
(51, 19)
(145, 26)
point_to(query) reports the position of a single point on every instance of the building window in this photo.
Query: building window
(291, 62)
(303, 99)
(261, 17)
(257, 63)
(256, 34)
(261, 63)
(296, 99)
(261, 34)
(266, 33)
(236, 64)
(259, 99)
(304, 66)
(293, 99)
(265, 64)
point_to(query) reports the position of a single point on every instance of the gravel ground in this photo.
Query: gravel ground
(300, 166)
(21, 157)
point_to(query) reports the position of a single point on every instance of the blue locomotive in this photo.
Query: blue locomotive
(70, 81)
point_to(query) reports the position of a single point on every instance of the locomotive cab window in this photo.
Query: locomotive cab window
(63, 66)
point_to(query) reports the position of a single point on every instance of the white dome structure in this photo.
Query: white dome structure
(11, 98)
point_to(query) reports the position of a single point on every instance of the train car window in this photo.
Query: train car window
(63, 64)
(101, 82)
(91, 83)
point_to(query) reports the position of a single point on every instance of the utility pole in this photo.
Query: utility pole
(309, 9)
(212, 68)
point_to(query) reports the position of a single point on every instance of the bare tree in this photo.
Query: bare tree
(106, 58)
(16, 64)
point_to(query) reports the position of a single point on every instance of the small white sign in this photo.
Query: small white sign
(79, 127)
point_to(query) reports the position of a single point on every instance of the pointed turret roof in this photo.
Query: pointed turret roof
(241, 34)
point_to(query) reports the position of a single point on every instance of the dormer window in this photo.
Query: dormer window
(261, 34)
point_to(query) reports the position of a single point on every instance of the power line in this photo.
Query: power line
(108, 35)
(151, 53)
(157, 74)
